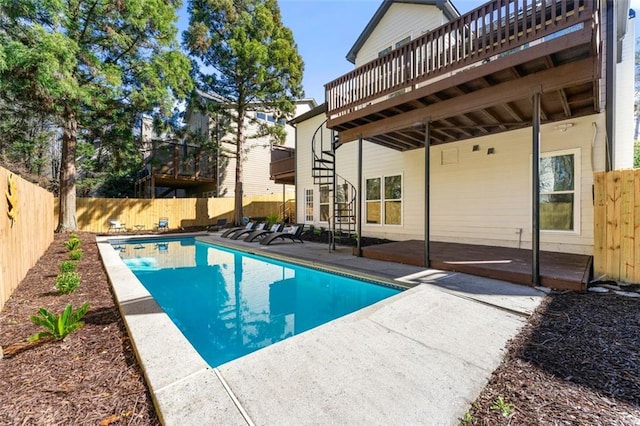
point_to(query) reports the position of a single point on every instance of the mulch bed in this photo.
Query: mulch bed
(576, 361)
(92, 376)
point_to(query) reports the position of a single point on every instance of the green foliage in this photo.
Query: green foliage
(76, 254)
(467, 419)
(72, 244)
(505, 408)
(250, 58)
(92, 67)
(272, 218)
(317, 231)
(58, 326)
(67, 282)
(636, 155)
(68, 266)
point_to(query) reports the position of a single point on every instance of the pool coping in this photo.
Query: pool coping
(178, 377)
(185, 390)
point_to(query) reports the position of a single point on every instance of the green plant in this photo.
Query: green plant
(72, 244)
(67, 282)
(467, 418)
(272, 218)
(68, 266)
(76, 254)
(58, 326)
(505, 408)
(317, 231)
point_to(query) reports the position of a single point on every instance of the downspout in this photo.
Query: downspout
(610, 72)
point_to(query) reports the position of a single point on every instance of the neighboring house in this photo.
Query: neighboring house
(480, 88)
(180, 168)
(258, 179)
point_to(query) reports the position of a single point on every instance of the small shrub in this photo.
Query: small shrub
(72, 244)
(76, 254)
(505, 408)
(67, 282)
(58, 326)
(467, 419)
(272, 218)
(68, 266)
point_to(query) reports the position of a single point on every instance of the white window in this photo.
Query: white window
(308, 205)
(404, 41)
(325, 191)
(559, 197)
(384, 51)
(384, 200)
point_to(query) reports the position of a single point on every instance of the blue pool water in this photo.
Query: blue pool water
(229, 303)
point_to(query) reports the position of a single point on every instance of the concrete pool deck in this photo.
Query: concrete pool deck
(420, 357)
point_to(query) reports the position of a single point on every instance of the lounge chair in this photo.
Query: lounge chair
(256, 235)
(291, 233)
(229, 231)
(237, 234)
(163, 223)
(220, 223)
(116, 226)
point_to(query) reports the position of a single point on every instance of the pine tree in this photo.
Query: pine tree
(249, 58)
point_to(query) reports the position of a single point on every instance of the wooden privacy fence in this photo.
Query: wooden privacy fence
(93, 214)
(24, 239)
(616, 248)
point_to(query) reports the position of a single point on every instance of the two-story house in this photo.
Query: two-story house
(519, 103)
(182, 168)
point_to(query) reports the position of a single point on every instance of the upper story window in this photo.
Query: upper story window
(404, 41)
(270, 118)
(384, 51)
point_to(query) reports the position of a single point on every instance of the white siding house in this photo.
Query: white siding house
(480, 187)
(257, 154)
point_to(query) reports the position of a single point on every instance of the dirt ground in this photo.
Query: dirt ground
(576, 362)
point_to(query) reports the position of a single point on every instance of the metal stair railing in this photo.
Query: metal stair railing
(323, 146)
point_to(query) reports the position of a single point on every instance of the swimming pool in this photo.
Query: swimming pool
(229, 303)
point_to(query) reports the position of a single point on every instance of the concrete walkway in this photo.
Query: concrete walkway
(420, 357)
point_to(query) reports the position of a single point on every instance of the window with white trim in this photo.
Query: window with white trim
(325, 191)
(384, 200)
(308, 205)
(559, 198)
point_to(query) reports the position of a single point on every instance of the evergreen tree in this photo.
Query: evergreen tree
(249, 58)
(74, 60)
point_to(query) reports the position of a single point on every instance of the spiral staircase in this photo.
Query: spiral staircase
(343, 195)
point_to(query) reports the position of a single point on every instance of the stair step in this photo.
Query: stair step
(329, 153)
(322, 160)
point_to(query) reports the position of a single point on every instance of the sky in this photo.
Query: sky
(325, 31)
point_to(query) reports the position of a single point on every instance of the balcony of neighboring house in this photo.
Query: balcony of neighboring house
(282, 169)
(176, 169)
(475, 76)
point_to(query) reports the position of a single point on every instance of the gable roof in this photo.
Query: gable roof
(449, 10)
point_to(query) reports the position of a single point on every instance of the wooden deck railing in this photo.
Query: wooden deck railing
(282, 166)
(181, 160)
(491, 29)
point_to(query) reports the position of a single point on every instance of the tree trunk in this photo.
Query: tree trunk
(239, 150)
(67, 198)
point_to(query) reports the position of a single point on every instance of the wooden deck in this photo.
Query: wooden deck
(558, 270)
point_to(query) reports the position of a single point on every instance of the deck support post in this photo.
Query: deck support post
(359, 205)
(427, 191)
(535, 179)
